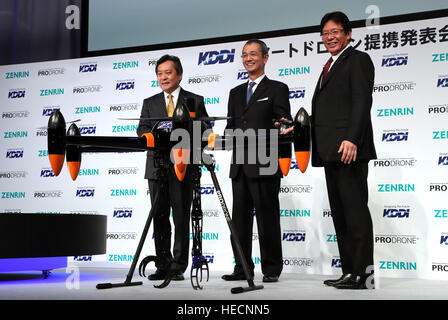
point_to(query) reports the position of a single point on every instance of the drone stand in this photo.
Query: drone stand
(162, 178)
(239, 250)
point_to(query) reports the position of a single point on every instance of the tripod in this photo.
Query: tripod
(164, 165)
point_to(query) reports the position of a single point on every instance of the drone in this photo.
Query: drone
(68, 146)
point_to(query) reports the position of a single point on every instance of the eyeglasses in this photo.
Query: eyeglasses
(251, 54)
(333, 32)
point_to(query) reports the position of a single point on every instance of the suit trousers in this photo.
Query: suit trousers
(348, 196)
(261, 194)
(178, 195)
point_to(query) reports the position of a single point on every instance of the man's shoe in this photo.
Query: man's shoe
(354, 283)
(158, 275)
(335, 281)
(270, 278)
(177, 277)
(234, 277)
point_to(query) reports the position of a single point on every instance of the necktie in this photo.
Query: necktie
(170, 107)
(249, 91)
(326, 68)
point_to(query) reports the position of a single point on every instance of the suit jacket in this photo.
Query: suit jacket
(155, 106)
(341, 108)
(270, 100)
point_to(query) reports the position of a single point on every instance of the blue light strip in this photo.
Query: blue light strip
(32, 264)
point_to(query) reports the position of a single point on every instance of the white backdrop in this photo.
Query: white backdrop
(408, 183)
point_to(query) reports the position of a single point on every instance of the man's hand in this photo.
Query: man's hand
(288, 130)
(349, 151)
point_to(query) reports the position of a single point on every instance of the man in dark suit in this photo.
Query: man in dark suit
(179, 196)
(343, 144)
(253, 105)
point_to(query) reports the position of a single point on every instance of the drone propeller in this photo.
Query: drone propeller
(171, 118)
(45, 128)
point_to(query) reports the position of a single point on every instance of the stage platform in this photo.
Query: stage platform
(80, 284)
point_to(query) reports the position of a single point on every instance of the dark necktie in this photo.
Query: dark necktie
(249, 91)
(326, 68)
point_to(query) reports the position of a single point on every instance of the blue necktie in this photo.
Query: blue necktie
(249, 92)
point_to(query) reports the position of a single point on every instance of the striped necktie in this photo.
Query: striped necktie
(249, 91)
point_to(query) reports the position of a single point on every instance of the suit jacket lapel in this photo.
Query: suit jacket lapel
(181, 98)
(261, 88)
(334, 68)
(161, 106)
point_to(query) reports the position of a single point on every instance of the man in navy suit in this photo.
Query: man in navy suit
(253, 105)
(343, 144)
(179, 196)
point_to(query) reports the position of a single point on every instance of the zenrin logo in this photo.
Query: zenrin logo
(89, 109)
(15, 134)
(439, 135)
(125, 128)
(121, 257)
(397, 265)
(441, 213)
(123, 192)
(51, 92)
(213, 57)
(399, 187)
(391, 112)
(207, 236)
(17, 75)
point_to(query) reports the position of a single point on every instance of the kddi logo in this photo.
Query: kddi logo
(294, 236)
(393, 212)
(297, 93)
(214, 57)
(443, 159)
(88, 129)
(88, 67)
(396, 60)
(125, 85)
(16, 93)
(122, 213)
(14, 153)
(442, 82)
(85, 192)
(395, 135)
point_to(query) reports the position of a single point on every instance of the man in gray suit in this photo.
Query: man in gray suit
(179, 196)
